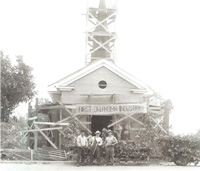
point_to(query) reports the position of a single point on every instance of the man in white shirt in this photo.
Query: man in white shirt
(96, 142)
(82, 144)
(110, 142)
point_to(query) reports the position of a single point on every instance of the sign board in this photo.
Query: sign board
(106, 109)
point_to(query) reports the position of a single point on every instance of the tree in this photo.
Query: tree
(16, 85)
(11, 137)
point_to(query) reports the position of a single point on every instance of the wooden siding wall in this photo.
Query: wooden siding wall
(88, 85)
(56, 97)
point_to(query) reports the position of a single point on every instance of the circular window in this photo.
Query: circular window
(102, 84)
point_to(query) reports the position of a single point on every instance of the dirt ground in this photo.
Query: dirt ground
(67, 167)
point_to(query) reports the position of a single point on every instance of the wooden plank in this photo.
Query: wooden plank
(51, 123)
(54, 157)
(91, 21)
(134, 119)
(43, 129)
(68, 129)
(59, 144)
(20, 156)
(32, 118)
(63, 106)
(101, 22)
(119, 98)
(63, 120)
(120, 120)
(29, 109)
(53, 145)
(41, 138)
(137, 129)
(101, 45)
(48, 150)
(49, 107)
(70, 106)
(157, 108)
(61, 132)
(83, 125)
(24, 136)
(15, 150)
(158, 125)
(86, 123)
(31, 155)
(160, 112)
(113, 98)
(35, 140)
(36, 104)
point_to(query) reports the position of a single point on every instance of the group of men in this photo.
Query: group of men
(94, 143)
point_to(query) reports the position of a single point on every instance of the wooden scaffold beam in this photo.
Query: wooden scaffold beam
(47, 138)
(120, 120)
(72, 115)
(158, 124)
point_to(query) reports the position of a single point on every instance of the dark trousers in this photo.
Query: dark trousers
(110, 154)
(81, 155)
(96, 155)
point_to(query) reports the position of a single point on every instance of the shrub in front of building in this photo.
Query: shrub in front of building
(181, 149)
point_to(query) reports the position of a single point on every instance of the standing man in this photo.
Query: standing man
(82, 144)
(110, 142)
(95, 147)
(104, 134)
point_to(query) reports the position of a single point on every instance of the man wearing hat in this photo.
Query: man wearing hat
(96, 142)
(82, 143)
(110, 142)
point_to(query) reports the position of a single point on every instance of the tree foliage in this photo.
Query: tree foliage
(181, 149)
(11, 137)
(16, 85)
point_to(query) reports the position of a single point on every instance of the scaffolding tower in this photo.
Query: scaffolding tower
(100, 40)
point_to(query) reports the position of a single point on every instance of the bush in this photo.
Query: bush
(181, 149)
(130, 151)
(11, 137)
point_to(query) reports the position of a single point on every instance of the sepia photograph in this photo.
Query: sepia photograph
(100, 85)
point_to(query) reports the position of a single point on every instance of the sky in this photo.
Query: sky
(158, 43)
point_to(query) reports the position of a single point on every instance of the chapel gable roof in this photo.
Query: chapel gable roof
(91, 68)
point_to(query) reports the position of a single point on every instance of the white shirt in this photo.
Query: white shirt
(98, 139)
(110, 140)
(82, 141)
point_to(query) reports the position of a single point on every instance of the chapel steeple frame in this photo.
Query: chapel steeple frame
(100, 41)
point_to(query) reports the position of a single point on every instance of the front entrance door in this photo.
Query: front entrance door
(100, 122)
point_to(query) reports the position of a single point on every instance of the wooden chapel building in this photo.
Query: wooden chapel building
(100, 95)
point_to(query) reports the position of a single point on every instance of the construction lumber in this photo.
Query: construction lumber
(64, 107)
(51, 154)
(59, 145)
(32, 118)
(134, 119)
(61, 132)
(101, 22)
(137, 129)
(61, 121)
(53, 145)
(120, 120)
(15, 150)
(35, 140)
(49, 107)
(68, 129)
(18, 155)
(51, 123)
(83, 125)
(158, 125)
(43, 129)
